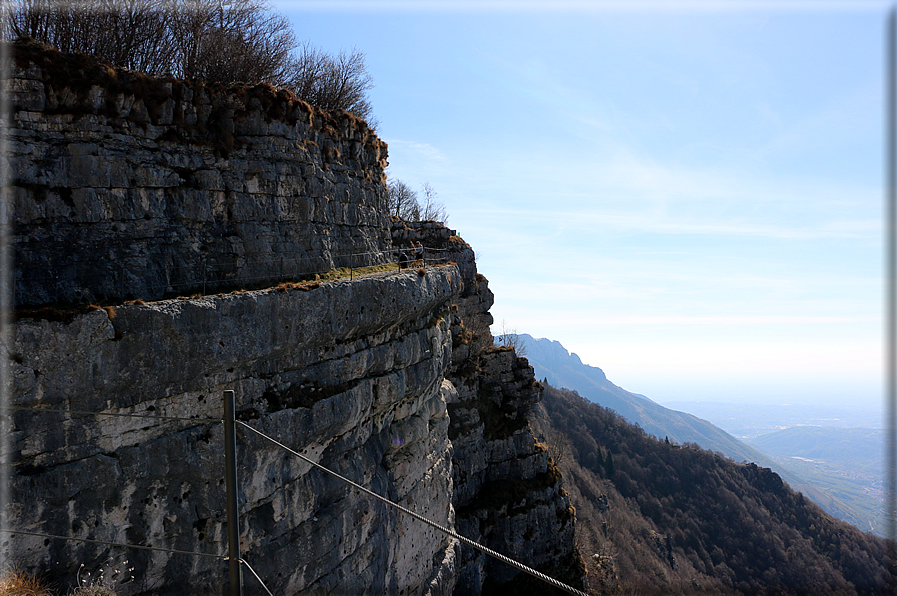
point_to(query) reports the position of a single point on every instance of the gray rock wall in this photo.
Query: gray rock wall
(350, 374)
(507, 494)
(132, 187)
(127, 186)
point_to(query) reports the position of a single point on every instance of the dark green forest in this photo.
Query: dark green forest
(657, 517)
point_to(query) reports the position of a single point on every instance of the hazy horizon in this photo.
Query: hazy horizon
(687, 195)
(865, 411)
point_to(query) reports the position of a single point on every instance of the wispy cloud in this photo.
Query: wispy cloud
(595, 220)
(586, 6)
(727, 320)
(425, 150)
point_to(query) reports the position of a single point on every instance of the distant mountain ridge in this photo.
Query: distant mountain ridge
(553, 362)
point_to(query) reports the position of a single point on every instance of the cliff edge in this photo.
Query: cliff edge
(131, 191)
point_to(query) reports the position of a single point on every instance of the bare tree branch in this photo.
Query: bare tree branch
(432, 210)
(402, 201)
(215, 40)
(332, 82)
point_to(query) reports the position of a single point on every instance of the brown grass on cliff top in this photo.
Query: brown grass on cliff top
(60, 313)
(16, 583)
(81, 72)
(67, 314)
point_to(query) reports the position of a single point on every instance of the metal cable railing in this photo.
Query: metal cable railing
(234, 558)
(138, 547)
(118, 544)
(420, 518)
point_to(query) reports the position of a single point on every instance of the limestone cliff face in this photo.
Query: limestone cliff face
(128, 186)
(390, 379)
(349, 374)
(507, 493)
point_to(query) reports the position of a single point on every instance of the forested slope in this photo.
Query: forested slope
(656, 517)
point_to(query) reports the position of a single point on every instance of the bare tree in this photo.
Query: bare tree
(129, 33)
(230, 40)
(402, 201)
(332, 82)
(509, 338)
(431, 209)
(215, 40)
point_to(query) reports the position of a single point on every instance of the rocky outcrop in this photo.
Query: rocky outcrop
(128, 186)
(350, 374)
(507, 491)
(390, 379)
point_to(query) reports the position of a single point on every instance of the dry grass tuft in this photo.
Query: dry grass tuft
(16, 583)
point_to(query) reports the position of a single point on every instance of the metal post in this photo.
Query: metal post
(230, 479)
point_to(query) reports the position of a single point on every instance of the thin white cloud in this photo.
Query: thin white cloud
(425, 150)
(861, 228)
(586, 6)
(727, 320)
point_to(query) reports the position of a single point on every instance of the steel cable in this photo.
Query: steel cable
(83, 413)
(440, 528)
(120, 544)
(443, 529)
(256, 576)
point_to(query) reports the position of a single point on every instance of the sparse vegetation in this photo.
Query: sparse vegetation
(332, 82)
(404, 203)
(16, 583)
(431, 209)
(100, 583)
(66, 314)
(218, 42)
(509, 338)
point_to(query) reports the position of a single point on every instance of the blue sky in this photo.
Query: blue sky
(687, 195)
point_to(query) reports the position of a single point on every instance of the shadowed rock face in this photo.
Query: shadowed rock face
(360, 390)
(126, 186)
(507, 492)
(390, 379)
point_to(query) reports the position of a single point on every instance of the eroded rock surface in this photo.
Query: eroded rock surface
(129, 187)
(351, 374)
(507, 493)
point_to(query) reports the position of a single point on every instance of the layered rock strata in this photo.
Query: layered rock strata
(507, 493)
(128, 186)
(350, 374)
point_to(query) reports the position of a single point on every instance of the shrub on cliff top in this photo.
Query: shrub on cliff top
(221, 41)
(233, 40)
(332, 82)
(403, 202)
